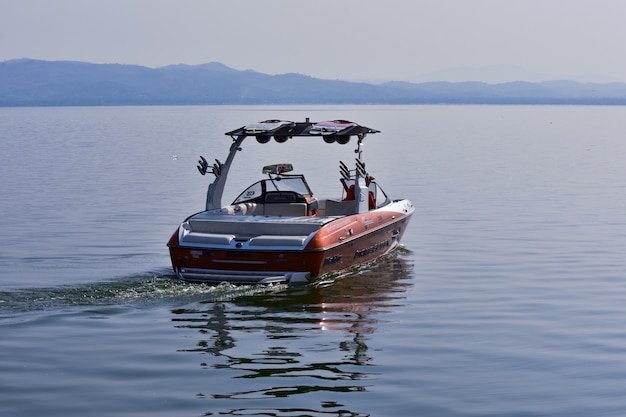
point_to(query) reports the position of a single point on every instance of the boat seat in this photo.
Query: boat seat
(340, 208)
(270, 209)
(276, 197)
(208, 238)
(285, 209)
(236, 225)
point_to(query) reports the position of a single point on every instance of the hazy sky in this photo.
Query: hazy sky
(332, 39)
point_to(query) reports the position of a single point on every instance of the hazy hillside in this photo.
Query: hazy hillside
(27, 82)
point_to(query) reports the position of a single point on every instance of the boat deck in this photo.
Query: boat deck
(210, 222)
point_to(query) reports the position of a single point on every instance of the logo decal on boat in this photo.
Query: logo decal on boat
(372, 249)
(332, 260)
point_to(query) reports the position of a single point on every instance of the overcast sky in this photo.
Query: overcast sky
(331, 39)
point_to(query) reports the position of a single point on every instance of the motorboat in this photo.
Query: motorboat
(278, 230)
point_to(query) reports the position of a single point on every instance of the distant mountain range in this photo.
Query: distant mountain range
(497, 74)
(28, 82)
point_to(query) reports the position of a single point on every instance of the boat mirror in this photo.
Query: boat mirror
(277, 168)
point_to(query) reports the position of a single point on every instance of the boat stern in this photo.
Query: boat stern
(209, 276)
(213, 256)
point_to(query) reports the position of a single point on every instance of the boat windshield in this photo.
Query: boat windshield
(256, 192)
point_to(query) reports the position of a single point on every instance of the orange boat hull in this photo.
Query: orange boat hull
(337, 246)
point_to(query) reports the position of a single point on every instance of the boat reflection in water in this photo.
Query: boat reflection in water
(306, 346)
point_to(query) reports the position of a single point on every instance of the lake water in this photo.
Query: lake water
(509, 298)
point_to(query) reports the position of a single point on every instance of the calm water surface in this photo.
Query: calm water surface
(509, 298)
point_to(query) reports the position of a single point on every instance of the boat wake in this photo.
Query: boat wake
(159, 287)
(140, 290)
